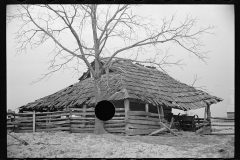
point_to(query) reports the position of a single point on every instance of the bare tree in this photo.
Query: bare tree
(41, 23)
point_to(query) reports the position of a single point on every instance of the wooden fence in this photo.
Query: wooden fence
(72, 120)
(222, 125)
(141, 122)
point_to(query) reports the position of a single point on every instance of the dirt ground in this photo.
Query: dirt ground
(83, 145)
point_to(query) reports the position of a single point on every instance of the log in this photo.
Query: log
(81, 109)
(114, 125)
(53, 119)
(223, 125)
(141, 113)
(143, 118)
(34, 122)
(81, 118)
(81, 126)
(221, 133)
(24, 131)
(172, 119)
(56, 112)
(54, 129)
(52, 116)
(52, 123)
(168, 128)
(142, 122)
(115, 129)
(222, 118)
(81, 121)
(139, 126)
(139, 131)
(25, 128)
(114, 121)
(199, 131)
(158, 131)
(82, 129)
(22, 141)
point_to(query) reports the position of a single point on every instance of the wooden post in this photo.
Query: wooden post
(159, 114)
(34, 121)
(47, 124)
(69, 118)
(146, 108)
(127, 108)
(205, 114)
(84, 111)
(13, 121)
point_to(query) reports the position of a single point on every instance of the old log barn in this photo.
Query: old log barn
(143, 97)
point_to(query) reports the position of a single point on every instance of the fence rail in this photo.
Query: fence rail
(213, 124)
(72, 120)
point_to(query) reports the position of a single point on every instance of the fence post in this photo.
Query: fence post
(34, 118)
(69, 118)
(146, 108)
(13, 121)
(127, 108)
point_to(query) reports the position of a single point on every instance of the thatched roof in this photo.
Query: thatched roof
(128, 80)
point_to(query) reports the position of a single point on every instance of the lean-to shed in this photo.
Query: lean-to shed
(131, 86)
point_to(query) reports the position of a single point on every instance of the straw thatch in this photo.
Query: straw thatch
(127, 80)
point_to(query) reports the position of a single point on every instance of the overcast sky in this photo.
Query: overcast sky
(217, 75)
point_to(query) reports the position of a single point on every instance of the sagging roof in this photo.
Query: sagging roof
(128, 80)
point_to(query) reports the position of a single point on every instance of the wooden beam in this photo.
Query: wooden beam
(146, 107)
(136, 101)
(34, 118)
(159, 114)
(127, 108)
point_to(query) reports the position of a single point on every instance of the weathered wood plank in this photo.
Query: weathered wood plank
(25, 128)
(52, 123)
(52, 119)
(139, 126)
(121, 129)
(81, 109)
(222, 118)
(222, 133)
(81, 121)
(114, 121)
(81, 118)
(10, 125)
(83, 114)
(144, 118)
(114, 125)
(81, 126)
(57, 112)
(53, 129)
(139, 131)
(143, 122)
(84, 130)
(24, 131)
(222, 124)
(142, 113)
(52, 116)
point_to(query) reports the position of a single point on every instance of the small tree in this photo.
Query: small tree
(105, 23)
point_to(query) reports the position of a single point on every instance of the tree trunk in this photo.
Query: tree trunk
(99, 125)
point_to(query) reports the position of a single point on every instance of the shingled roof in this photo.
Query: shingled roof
(128, 80)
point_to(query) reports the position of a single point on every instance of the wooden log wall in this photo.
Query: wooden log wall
(117, 123)
(142, 122)
(223, 125)
(80, 120)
